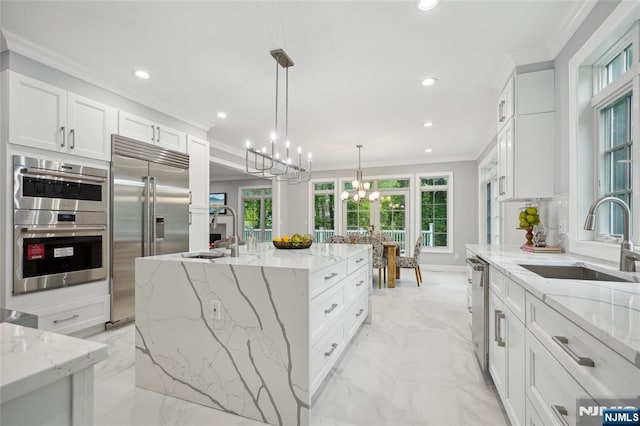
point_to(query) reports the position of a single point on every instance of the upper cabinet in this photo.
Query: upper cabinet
(526, 136)
(46, 117)
(198, 150)
(144, 130)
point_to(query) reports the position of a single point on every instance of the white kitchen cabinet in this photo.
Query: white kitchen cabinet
(198, 150)
(75, 315)
(505, 104)
(46, 117)
(198, 229)
(507, 347)
(526, 138)
(142, 129)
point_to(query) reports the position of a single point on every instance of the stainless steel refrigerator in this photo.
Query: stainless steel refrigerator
(149, 213)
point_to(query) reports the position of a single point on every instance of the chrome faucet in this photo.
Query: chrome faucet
(234, 239)
(628, 257)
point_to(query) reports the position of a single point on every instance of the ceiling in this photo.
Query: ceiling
(357, 74)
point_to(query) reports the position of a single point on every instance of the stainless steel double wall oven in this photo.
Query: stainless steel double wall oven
(60, 224)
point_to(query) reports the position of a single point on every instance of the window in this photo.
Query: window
(324, 197)
(616, 160)
(603, 123)
(256, 213)
(435, 210)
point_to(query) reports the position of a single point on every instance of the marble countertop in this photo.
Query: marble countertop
(319, 255)
(31, 359)
(610, 311)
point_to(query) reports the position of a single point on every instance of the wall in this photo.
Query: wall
(465, 203)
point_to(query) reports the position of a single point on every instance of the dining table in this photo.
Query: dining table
(393, 249)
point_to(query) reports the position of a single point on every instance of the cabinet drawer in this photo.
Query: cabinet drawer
(533, 419)
(324, 309)
(355, 284)
(358, 261)
(514, 298)
(355, 313)
(497, 282)
(550, 389)
(322, 279)
(75, 316)
(324, 353)
(611, 376)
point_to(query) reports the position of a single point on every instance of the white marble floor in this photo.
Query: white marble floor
(413, 366)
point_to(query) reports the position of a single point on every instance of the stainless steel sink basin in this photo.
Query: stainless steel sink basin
(204, 255)
(573, 272)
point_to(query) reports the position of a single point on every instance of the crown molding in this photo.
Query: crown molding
(569, 26)
(31, 50)
(221, 146)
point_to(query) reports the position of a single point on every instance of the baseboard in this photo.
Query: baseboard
(443, 268)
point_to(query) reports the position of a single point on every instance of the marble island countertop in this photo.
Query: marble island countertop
(610, 311)
(319, 255)
(31, 358)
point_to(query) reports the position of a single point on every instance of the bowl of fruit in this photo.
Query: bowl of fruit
(528, 218)
(296, 241)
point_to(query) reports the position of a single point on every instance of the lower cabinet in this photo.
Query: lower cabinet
(552, 392)
(336, 311)
(75, 315)
(506, 357)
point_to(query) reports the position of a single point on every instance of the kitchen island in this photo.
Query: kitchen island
(46, 378)
(253, 335)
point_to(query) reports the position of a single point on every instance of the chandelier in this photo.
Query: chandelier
(271, 164)
(360, 188)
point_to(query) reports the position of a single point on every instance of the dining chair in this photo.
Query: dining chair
(379, 261)
(412, 262)
(337, 239)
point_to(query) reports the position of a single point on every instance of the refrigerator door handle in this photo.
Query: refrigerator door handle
(153, 217)
(145, 215)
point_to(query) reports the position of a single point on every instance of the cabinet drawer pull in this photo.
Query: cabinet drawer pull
(360, 312)
(333, 306)
(333, 274)
(64, 136)
(360, 260)
(73, 138)
(561, 413)
(360, 283)
(66, 319)
(498, 315)
(563, 342)
(330, 351)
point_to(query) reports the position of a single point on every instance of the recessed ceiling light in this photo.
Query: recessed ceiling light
(425, 5)
(141, 74)
(222, 114)
(428, 150)
(427, 124)
(430, 81)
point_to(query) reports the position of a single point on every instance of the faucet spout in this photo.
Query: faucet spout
(234, 239)
(627, 255)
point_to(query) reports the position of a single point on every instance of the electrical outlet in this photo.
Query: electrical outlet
(215, 309)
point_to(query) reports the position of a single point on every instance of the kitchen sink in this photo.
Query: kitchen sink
(574, 272)
(204, 255)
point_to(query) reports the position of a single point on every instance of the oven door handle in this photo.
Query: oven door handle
(54, 173)
(27, 230)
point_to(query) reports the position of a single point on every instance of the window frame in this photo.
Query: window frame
(262, 197)
(336, 198)
(584, 94)
(450, 200)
